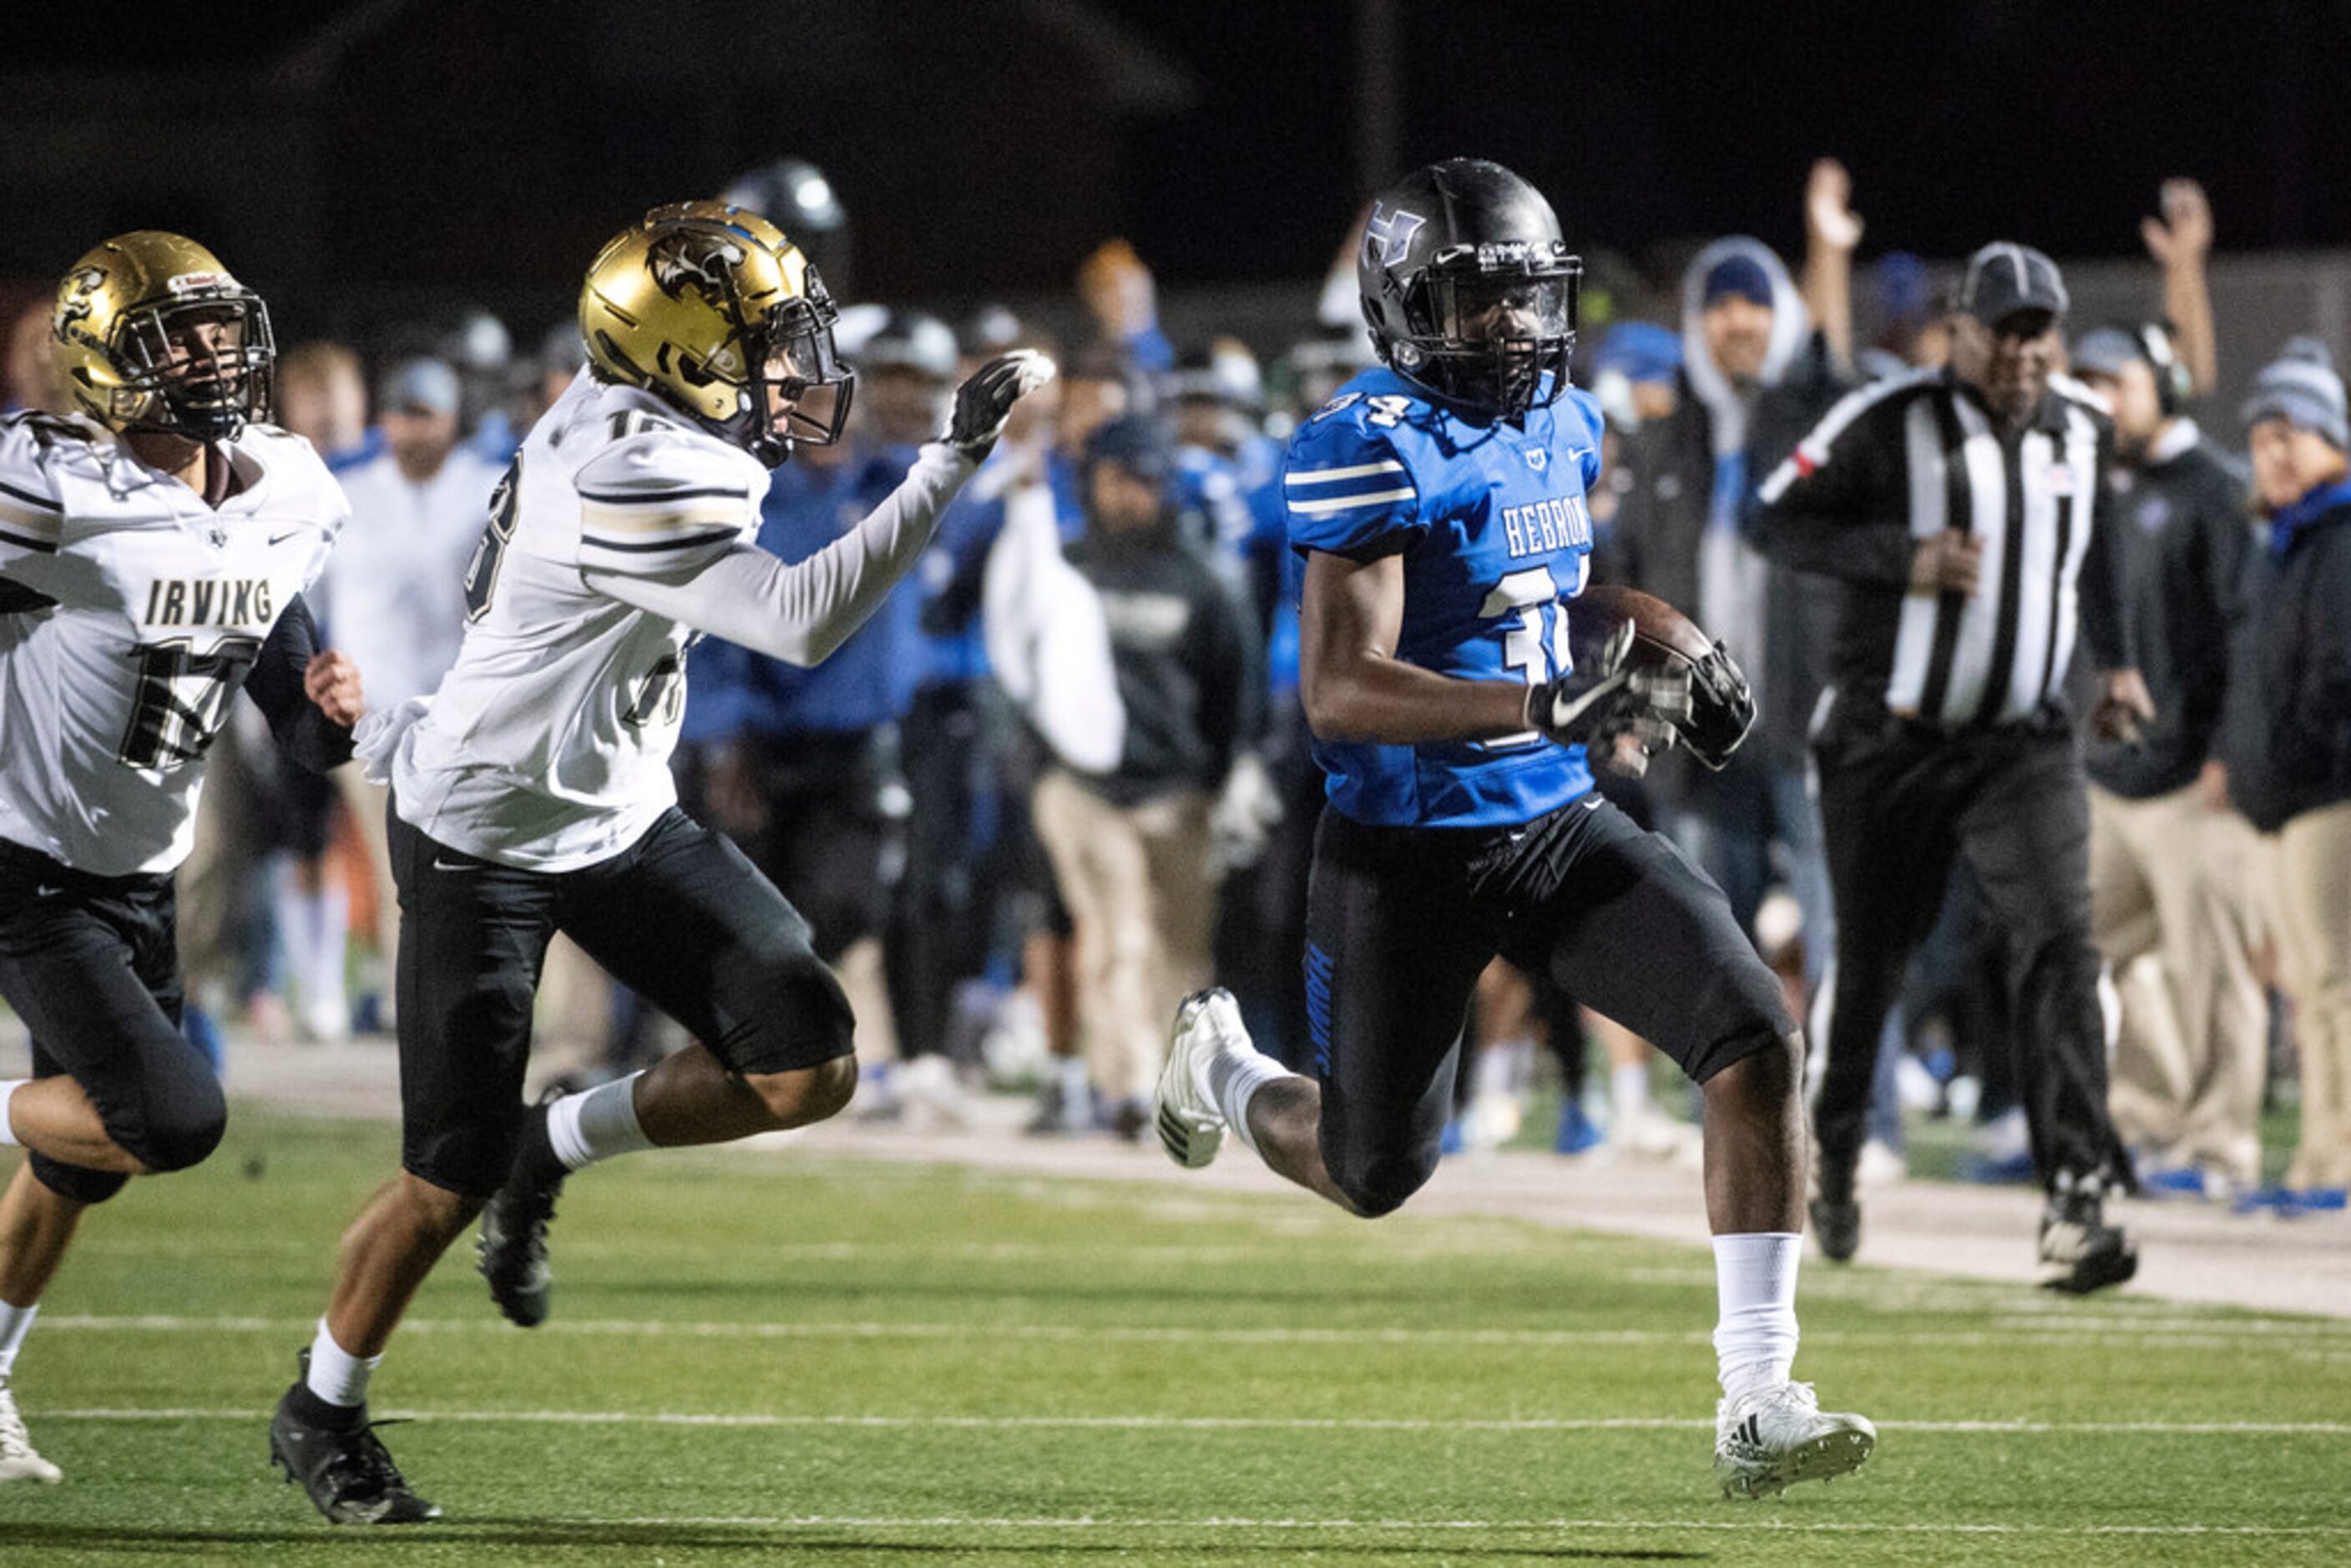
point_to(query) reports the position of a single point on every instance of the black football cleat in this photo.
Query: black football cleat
(512, 1253)
(2080, 1252)
(344, 1469)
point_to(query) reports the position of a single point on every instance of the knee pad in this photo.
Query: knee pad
(184, 1131)
(78, 1183)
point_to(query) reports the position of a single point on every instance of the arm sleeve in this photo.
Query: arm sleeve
(304, 732)
(2101, 588)
(1346, 490)
(1824, 507)
(803, 611)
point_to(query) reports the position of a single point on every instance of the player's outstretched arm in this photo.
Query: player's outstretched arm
(1356, 689)
(802, 611)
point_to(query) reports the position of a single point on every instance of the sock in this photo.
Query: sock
(1755, 1277)
(14, 1322)
(337, 1376)
(8, 1091)
(1628, 1094)
(1502, 1069)
(597, 1124)
(1234, 1078)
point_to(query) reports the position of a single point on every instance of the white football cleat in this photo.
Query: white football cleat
(1774, 1438)
(18, 1460)
(1191, 1128)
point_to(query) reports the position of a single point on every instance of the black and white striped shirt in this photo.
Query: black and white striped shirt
(1902, 460)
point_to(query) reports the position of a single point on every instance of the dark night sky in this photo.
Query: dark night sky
(1649, 124)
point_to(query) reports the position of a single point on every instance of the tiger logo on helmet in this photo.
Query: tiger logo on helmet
(152, 334)
(710, 307)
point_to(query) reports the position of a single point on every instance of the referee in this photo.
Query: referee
(1964, 513)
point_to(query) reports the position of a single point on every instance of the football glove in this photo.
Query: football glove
(985, 401)
(1605, 703)
(1721, 708)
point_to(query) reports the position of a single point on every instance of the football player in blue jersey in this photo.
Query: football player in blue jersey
(1455, 696)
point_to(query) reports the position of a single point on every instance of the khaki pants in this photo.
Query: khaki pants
(1140, 893)
(2170, 910)
(2310, 880)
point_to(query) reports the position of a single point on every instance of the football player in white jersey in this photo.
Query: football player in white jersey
(154, 548)
(532, 793)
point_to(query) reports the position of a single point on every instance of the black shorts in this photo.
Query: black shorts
(680, 917)
(91, 964)
(1401, 921)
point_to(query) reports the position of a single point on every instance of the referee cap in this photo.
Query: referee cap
(2005, 278)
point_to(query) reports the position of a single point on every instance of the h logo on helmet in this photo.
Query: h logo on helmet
(1388, 234)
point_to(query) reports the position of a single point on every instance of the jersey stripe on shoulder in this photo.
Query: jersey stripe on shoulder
(1331, 475)
(657, 498)
(676, 513)
(29, 521)
(693, 541)
(1322, 504)
(1318, 492)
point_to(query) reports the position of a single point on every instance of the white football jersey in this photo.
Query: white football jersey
(129, 615)
(548, 744)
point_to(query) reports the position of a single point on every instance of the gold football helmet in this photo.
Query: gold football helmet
(152, 334)
(710, 307)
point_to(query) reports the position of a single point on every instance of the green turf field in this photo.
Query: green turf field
(858, 1363)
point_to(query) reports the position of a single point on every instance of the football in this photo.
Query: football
(1659, 631)
(1722, 709)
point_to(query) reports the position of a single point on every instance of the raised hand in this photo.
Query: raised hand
(2184, 232)
(985, 401)
(1829, 216)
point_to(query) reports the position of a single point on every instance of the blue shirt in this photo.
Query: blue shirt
(1491, 523)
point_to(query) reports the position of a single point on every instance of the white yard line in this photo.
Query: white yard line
(1746, 1526)
(1208, 1423)
(2152, 1333)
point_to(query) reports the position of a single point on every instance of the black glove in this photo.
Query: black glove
(1602, 703)
(1721, 708)
(985, 401)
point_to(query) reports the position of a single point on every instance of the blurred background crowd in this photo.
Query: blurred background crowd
(1016, 897)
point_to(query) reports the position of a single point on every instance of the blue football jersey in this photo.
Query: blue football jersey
(1492, 527)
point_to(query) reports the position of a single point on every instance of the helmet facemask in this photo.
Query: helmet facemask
(799, 390)
(1490, 322)
(197, 366)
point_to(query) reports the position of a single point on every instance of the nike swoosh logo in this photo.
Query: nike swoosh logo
(440, 864)
(41, 891)
(281, 538)
(1592, 802)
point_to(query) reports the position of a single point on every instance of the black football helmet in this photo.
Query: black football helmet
(1468, 289)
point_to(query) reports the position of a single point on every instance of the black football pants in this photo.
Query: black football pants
(1899, 801)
